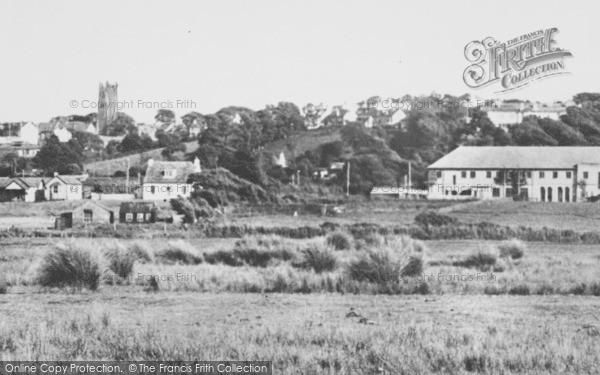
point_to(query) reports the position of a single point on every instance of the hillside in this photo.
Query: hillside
(299, 143)
(110, 166)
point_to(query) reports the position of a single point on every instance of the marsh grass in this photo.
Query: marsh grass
(70, 265)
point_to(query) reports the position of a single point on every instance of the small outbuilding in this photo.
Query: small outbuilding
(138, 212)
(85, 214)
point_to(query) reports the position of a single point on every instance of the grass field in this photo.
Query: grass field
(581, 216)
(310, 334)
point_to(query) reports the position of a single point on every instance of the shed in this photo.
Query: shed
(138, 212)
(85, 214)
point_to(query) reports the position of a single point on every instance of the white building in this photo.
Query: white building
(166, 180)
(29, 134)
(554, 174)
(64, 187)
(281, 160)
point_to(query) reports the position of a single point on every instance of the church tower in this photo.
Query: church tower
(107, 105)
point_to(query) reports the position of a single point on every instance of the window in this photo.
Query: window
(55, 189)
(568, 174)
(438, 174)
(152, 189)
(554, 174)
(183, 189)
(488, 174)
(496, 192)
(148, 217)
(542, 174)
(140, 218)
(463, 174)
(509, 192)
(528, 174)
(472, 174)
(169, 173)
(87, 216)
(585, 175)
(129, 217)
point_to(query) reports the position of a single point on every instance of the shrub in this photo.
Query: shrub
(179, 252)
(383, 265)
(482, 260)
(492, 290)
(3, 287)
(317, 259)
(120, 261)
(222, 256)
(68, 265)
(140, 253)
(520, 290)
(259, 251)
(432, 218)
(514, 249)
(339, 241)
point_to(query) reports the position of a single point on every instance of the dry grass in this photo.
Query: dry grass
(310, 334)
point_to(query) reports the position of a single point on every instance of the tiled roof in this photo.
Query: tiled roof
(137, 207)
(535, 157)
(156, 172)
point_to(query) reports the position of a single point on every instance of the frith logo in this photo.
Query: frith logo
(514, 63)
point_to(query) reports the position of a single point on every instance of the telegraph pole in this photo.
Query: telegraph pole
(127, 181)
(409, 176)
(348, 179)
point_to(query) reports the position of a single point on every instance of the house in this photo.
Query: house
(550, 174)
(166, 180)
(27, 151)
(64, 187)
(29, 134)
(26, 189)
(512, 113)
(86, 214)
(281, 160)
(138, 212)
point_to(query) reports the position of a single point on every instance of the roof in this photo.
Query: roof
(534, 157)
(91, 204)
(155, 172)
(137, 207)
(4, 182)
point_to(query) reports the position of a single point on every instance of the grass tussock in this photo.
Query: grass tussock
(140, 252)
(396, 258)
(179, 252)
(261, 251)
(514, 249)
(70, 265)
(482, 259)
(318, 259)
(339, 241)
(120, 261)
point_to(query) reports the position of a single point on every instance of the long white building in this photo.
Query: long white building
(551, 174)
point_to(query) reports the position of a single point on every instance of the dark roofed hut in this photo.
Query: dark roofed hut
(138, 212)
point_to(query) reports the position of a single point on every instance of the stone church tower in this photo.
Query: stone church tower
(107, 106)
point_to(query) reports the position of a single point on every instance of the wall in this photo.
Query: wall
(165, 191)
(112, 197)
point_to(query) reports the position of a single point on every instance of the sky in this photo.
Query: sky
(215, 54)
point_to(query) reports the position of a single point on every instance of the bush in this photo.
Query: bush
(384, 265)
(3, 287)
(224, 257)
(179, 252)
(140, 253)
(120, 261)
(68, 265)
(482, 260)
(259, 251)
(434, 219)
(520, 290)
(339, 241)
(514, 249)
(318, 259)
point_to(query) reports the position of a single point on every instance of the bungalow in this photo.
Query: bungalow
(138, 212)
(167, 180)
(26, 189)
(64, 188)
(551, 174)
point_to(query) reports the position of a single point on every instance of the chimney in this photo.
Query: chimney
(197, 168)
(55, 174)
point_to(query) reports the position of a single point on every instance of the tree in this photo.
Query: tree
(57, 157)
(166, 116)
(120, 125)
(132, 143)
